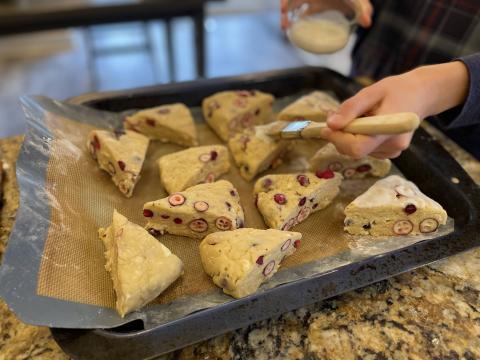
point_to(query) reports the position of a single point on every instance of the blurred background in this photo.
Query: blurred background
(66, 48)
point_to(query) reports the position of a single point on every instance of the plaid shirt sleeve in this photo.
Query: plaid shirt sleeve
(409, 33)
(470, 112)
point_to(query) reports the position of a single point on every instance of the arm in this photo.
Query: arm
(428, 90)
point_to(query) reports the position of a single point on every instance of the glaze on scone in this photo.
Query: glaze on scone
(314, 106)
(140, 266)
(329, 158)
(240, 261)
(255, 152)
(197, 211)
(121, 154)
(167, 123)
(393, 206)
(202, 164)
(286, 200)
(231, 112)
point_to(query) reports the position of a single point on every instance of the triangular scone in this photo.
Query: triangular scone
(121, 154)
(314, 106)
(254, 151)
(197, 211)
(167, 123)
(329, 158)
(240, 261)
(140, 266)
(285, 200)
(202, 164)
(231, 112)
(393, 206)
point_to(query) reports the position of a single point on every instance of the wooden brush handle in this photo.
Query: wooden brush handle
(371, 125)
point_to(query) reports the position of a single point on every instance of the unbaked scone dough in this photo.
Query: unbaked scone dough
(167, 123)
(202, 164)
(255, 152)
(314, 106)
(231, 112)
(141, 267)
(286, 200)
(197, 211)
(329, 158)
(240, 261)
(393, 206)
(121, 154)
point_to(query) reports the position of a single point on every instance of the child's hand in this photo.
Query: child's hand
(425, 91)
(363, 9)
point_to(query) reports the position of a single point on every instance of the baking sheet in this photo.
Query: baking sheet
(76, 198)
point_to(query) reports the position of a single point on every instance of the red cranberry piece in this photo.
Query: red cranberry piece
(402, 227)
(303, 180)
(177, 221)
(147, 213)
(302, 201)
(335, 166)
(428, 225)
(349, 172)
(163, 111)
(267, 183)
(269, 268)
(325, 174)
(210, 178)
(213, 155)
(303, 214)
(280, 199)
(201, 206)
(296, 244)
(286, 245)
(154, 232)
(240, 102)
(410, 209)
(233, 193)
(364, 168)
(165, 216)
(96, 142)
(205, 157)
(198, 225)
(223, 223)
(150, 122)
(315, 206)
(176, 199)
(260, 260)
(247, 120)
(289, 224)
(121, 165)
(243, 93)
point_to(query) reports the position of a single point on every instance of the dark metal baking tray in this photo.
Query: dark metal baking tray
(426, 163)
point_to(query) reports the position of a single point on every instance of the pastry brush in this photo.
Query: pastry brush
(387, 124)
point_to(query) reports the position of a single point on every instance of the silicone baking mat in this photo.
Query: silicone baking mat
(80, 198)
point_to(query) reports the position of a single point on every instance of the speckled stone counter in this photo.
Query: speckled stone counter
(429, 313)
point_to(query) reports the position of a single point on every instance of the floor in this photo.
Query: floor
(237, 43)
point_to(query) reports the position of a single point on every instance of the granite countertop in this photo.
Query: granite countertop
(429, 313)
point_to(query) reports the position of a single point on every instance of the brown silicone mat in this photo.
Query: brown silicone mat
(83, 198)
